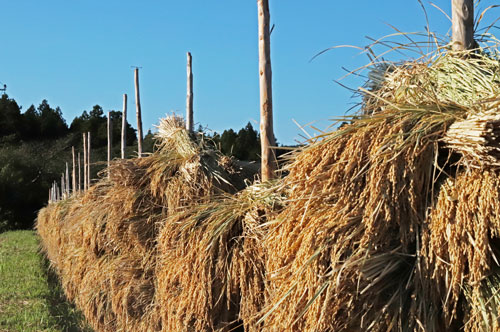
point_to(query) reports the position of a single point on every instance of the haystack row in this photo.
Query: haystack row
(390, 223)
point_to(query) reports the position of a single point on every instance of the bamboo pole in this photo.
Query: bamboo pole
(268, 166)
(84, 162)
(138, 111)
(79, 174)
(124, 125)
(63, 186)
(67, 180)
(110, 142)
(88, 160)
(58, 193)
(462, 25)
(74, 169)
(189, 98)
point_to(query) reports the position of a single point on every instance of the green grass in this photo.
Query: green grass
(31, 298)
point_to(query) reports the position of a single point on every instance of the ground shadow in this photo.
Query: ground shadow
(65, 314)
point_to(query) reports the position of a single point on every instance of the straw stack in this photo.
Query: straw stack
(477, 138)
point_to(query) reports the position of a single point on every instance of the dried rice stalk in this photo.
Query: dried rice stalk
(210, 273)
(477, 138)
(103, 244)
(460, 248)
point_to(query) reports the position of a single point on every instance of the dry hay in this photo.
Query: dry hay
(369, 240)
(103, 243)
(210, 271)
(389, 223)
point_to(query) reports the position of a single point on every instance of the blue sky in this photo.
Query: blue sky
(77, 54)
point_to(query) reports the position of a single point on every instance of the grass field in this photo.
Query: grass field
(30, 296)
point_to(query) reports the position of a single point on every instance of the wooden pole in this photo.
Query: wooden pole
(88, 160)
(84, 162)
(110, 141)
(74, 170)
(462, 24)
(63, 186)
(266, 94)
(124, 125)
(79, 174)
(67, 180)
(58, 193)
(189, 98)
(138, 109)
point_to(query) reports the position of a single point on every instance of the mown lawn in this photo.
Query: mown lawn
(30, 296)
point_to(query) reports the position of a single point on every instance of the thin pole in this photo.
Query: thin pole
(79, 174)
(58, 193)
(138, 109)
(189, 98)
(62, 186)
(74, 169)
(67, 180)
(110, 141)
(84, 162)
(124, 125)
(88, 160)
(266, 95)
(462, 24)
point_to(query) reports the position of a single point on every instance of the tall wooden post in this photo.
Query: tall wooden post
(67, 180)
(189, 98)
(124, 125)
(110, 141)
(74, 169)
(58, 193)
(266, 94)
(79, 174)
(88, 160)
(63, 186)
(462, 24)
(138, 110)
(84, 162)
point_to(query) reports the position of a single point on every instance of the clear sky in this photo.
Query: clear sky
(79, 53)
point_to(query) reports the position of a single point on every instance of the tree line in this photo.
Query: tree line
(36, 144)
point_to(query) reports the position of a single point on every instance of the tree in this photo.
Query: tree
(247, 145)
(227, 141)
(52, 123)
(10, 116)
(96, 123)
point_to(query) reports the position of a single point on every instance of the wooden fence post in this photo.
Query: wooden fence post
(88, 160)
(74, 169)
(462, 24)
(110, 142)
(268, 166)
(63, 186)
(67, 180)
(79, 174)
(189, 98)
(138, 109)
(124, 125)
(84, 162)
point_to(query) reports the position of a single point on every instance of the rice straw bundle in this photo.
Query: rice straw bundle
(103, 244)
(210, 268)
(477, 138)
(348, 251)
(460, 247)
